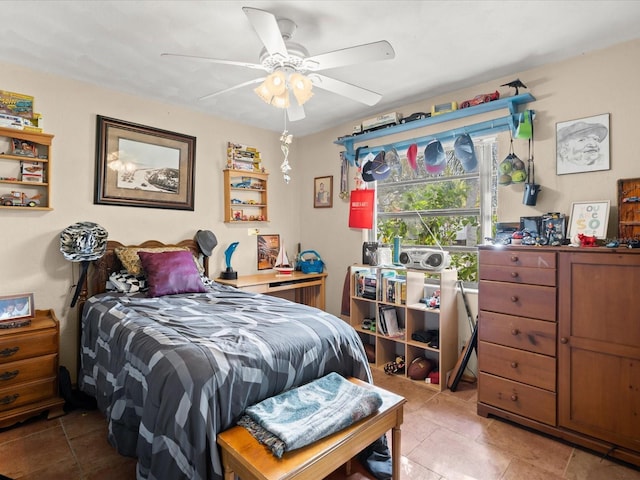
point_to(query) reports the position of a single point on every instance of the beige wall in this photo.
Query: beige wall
(602, 82)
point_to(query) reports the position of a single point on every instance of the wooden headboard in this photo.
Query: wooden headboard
(103, 267)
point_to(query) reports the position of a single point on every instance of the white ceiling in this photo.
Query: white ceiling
(440, 46)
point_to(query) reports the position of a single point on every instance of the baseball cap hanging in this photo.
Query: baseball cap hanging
(434, 157)
(412, 155)
(465, 152)
(207, 241)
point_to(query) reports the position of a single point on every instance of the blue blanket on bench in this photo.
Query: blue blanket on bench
(303, 415)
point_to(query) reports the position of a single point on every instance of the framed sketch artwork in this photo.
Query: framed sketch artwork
(583, 145)
(323, 192)
(140, 166)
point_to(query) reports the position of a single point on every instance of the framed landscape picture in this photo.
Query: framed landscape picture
(140, 166)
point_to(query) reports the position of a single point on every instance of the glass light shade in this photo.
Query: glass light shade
(281, 101)
(301, 87)
(263, 92)
(276, 83)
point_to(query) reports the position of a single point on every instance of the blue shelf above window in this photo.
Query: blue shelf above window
(482, 128)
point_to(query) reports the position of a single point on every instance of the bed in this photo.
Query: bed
(172, 371)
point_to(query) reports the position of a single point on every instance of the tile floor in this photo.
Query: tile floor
(442, 439)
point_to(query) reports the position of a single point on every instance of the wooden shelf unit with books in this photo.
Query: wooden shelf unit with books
(373, 287)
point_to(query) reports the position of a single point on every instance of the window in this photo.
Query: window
(453, 210)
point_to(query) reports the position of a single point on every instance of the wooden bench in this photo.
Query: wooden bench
(243, 455)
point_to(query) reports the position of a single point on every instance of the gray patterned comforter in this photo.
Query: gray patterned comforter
(171, 372)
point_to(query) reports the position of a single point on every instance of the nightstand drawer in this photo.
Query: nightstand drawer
(524, 400)
(538, 336)
(532, 301)
(519, 258)
(22, 371)
(21, 346)
(26, 393)
(524, 367)
(516, 274)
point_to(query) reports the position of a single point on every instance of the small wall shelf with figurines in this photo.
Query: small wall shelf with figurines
(25, 169)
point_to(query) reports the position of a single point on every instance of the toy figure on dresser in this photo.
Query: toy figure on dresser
(582, 240)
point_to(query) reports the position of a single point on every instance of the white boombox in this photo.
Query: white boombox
(423, 258)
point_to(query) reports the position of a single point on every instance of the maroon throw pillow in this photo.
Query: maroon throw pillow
(171, 272)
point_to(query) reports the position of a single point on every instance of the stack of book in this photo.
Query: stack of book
(388, 321)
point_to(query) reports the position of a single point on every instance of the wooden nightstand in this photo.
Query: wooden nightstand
(29, 370)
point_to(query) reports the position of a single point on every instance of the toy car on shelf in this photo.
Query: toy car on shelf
(19, 199)
(478, 99)
(415, 116)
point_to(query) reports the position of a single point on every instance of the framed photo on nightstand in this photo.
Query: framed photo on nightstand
(16, 310)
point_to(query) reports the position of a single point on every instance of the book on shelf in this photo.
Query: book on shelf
(388, 320)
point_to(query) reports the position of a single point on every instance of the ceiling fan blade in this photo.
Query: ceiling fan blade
(295, 112)
(266, 26)
(215, 60)
(369, 52)
(235, 87)
(345, 89)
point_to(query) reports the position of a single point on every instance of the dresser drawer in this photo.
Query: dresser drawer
(518, 365)
(538, 336)
(26, 393)
(516, 274)
(21, 371)
(18, 347)
(519, 258)
(514, 397)
(532, 301)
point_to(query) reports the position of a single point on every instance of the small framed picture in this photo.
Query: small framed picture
(583, 145)
(268, 249)
(589, 218)
(323, 192)
(237, 215)
(14, 308)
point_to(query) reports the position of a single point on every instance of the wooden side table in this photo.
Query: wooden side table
(29, 370)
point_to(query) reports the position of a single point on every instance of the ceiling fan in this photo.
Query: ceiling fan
(290, 69)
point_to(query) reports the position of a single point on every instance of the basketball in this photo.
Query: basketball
(419, 368)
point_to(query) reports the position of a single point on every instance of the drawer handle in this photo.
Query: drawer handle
(514, 364)
(7, 352)
(9, 375)
(515, 331)
(564, 340)
(514, 258)
(514, 298)
(514, 397)
(9, 399)
(514, 274)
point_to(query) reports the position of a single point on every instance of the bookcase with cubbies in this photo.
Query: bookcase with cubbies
(377, 290)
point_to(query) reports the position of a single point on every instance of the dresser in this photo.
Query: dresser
(29, 370)
(559, 343)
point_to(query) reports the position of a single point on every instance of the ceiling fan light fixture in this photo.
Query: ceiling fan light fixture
(282, 100)
(263, 92)
(276, 83)
(301, 86)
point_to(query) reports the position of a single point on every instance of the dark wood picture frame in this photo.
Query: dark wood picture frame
(323, 192)
(141, 166)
